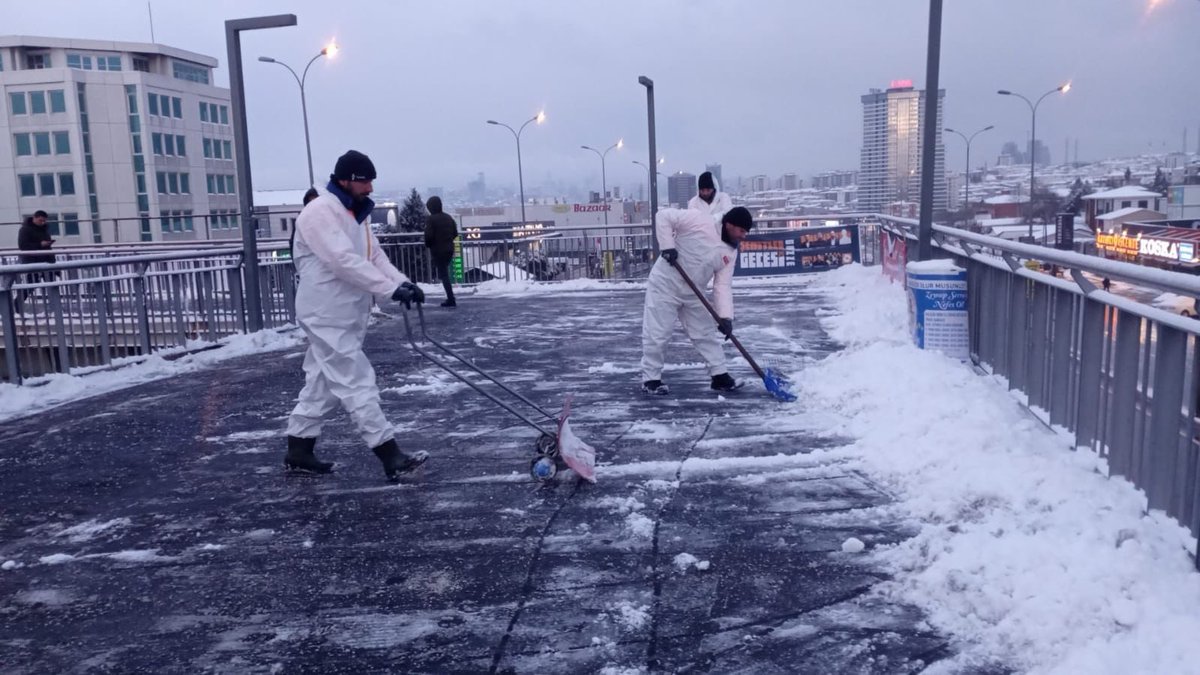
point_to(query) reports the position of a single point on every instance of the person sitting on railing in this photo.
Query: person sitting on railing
(342, 270)
(690, 243)
(440, 233)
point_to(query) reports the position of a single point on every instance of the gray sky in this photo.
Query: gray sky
(760, 86)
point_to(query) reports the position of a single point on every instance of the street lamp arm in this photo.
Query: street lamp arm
(310, 62)
(987, 128)
(1005, 92)
(1039, 101)
(510, 129)
(264, 59)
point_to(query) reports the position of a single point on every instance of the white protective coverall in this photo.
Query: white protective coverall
(705, 257)
(342, 269)
(720, 204)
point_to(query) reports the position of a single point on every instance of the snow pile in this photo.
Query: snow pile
(685, 560)
(500, 287)
(86, 531)
(853, 545)
(629, 616)
(48, 391)
(1025, 551)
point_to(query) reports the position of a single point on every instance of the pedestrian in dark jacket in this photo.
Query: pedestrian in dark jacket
(34, 236)
(440, 233)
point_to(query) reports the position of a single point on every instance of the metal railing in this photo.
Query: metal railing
(1122, 376)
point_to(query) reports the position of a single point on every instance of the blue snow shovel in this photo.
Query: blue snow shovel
(775, 382)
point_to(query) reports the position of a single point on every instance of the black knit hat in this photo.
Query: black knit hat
(706, 181)
(739, 216)
(354, 166)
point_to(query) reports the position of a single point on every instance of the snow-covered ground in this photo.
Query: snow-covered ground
(1026, 551)
(48, 391)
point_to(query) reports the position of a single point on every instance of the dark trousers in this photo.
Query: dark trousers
(442, 266)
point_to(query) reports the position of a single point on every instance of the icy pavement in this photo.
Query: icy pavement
(905, 515)
(152, 528)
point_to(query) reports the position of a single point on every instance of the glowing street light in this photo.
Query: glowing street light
(539, 118)
(330, 51)
(603, 176)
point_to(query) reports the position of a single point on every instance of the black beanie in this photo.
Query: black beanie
(354, 166)
(706, 181)
(739, 216)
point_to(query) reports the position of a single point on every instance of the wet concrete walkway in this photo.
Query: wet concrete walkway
(153, 529)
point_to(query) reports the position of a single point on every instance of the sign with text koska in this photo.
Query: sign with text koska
(810, 249)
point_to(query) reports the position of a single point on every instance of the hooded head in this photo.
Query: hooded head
(706, 187)
(310, 195)
(735, 225)
(434, 204)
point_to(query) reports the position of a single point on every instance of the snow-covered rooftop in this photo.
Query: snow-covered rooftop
(1005, 199)
(1123, 192)
(1128, 211)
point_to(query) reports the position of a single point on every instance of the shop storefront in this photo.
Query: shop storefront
(1171, 248)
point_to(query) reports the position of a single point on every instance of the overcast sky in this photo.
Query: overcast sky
(760, 86)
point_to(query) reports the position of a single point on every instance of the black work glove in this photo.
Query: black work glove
(726, 327)
(670, 255)
(408, 293)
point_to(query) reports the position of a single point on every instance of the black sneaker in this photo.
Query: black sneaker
(655, 387)
(300, 456)
(449, 303)
(724, 382)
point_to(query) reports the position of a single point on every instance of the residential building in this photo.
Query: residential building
(1108, 201)
(118, 141)
(890, 168)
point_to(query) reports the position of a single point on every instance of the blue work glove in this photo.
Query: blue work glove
(726, 327)
(670, 255)
(408, 293)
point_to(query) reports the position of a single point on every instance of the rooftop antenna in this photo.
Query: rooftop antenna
(150, 12)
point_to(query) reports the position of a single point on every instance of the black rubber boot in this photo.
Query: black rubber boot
(300, 456)
(396, 462)
(724, 382)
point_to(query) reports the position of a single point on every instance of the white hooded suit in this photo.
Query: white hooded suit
(705, 257)
(342, 269)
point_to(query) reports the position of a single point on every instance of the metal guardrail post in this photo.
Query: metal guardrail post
(141, 305)
(235, 296)
(1165, 420)
(209, 301)
(9, 322)
(60, 330)
(1091, 348)
(177, 308)
(103, 298)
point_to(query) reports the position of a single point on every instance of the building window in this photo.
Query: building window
(46, 184)
(164, 105)
(162, 182)
(203, 111)
(70, 223)
(79, 61)
(173, 183)
(156, 143)
(141, 64)
(37, 102)
(224, 115)
(137, 144)
(58, 101)
(185, 71)
(1142, 203)
(28, 185)
(37, 61)
(179, 148)
(212, 186)
(228, 149)
(41, 142)
(177, 107)
(62, 143)
(66, 183)
(185, 184)
(153, 107)
(17, 103)
(208, 148)
(169, 144)
(109, 63)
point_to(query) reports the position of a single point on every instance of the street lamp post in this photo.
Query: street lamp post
(603, 176)
(649, 85)
(539, 118)
(660, 161)
(967, 175)
(330, 50)
(237, 104)
(1064, 88)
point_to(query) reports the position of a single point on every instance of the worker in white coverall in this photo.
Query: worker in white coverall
(687, 239)
(342, 270)
(710, 199)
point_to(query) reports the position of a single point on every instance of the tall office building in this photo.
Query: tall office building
(890, 169)
(715, 170)
(680, 188)
(117, 141)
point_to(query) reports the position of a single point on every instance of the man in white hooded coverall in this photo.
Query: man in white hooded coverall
(342, 270)
(709, 199)
(687, 239)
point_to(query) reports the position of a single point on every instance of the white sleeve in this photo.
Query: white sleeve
(665, 228)
(723, 287)
(380, 260)
(721, 205)
(332, 247)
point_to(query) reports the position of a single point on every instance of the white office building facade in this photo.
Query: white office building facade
(117, 141)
